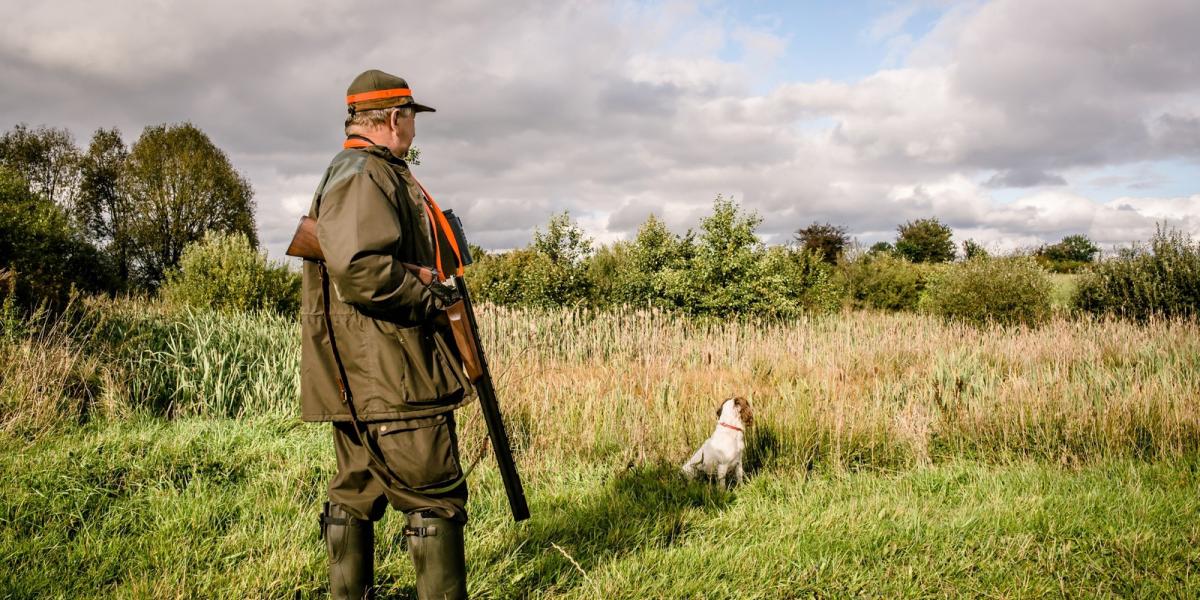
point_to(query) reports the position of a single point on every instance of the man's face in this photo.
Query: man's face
(405, 129)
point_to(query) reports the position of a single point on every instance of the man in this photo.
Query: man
(376, 362)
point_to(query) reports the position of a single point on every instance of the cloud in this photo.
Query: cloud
(1024, 178)
(616, 111)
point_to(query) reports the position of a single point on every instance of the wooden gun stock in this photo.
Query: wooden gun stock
(306, 245)
(464, 338)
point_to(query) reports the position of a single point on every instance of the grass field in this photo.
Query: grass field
(148, 453)
(226, 509)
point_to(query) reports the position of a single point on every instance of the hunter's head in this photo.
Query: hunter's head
(381, 108)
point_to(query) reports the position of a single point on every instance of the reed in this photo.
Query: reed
(851, 389)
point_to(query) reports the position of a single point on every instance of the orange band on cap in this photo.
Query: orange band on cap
(378, 94)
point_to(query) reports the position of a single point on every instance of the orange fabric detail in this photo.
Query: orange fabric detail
(435, 222)
(432, 210)
(378, 94)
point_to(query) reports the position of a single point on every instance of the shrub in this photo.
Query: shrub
(223, 271)
(42, 252)
(552, 271)
(1161, 280)
(612, 276)
(526, 277)
(826, 239)
(1003, 290)
(925, 240)
(724, 271)
(795, 282)
(885, 281)
(659, 266)
(973, 249)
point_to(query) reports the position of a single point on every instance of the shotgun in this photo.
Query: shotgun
(461, 316)
(482, 378)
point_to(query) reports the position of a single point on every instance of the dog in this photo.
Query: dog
(722, 451)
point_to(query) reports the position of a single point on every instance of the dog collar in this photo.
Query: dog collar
(724, 424)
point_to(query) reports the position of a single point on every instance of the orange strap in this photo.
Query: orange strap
(437, 220)
(433, 211)
(377, 95)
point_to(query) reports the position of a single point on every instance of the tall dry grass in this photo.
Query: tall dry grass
(857, 388)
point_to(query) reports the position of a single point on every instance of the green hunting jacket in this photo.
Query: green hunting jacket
(399, 364)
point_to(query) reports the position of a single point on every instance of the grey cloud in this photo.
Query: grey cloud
(1179, 134)
(547, 106)
(1023, 178)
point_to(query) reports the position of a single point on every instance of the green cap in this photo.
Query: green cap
(376, 89)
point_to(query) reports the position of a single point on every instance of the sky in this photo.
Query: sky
(1016, 122)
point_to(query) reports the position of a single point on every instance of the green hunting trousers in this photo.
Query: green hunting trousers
(421, 453)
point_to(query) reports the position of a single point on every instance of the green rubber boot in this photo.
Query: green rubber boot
(351, 545)
(436, 546)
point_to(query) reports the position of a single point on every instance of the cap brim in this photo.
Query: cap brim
(421, 107)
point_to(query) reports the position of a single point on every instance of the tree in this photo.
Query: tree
(563, 241)
(40, 247)
(973, 249)
(654, 257)
(726, 260)
(223, 271)
(1076, 248)
(563, 274)
(179, 186)
(925, 240)
(826, 240)
(881, 248)
(1068, 256)
(102, 207)
(46, 158)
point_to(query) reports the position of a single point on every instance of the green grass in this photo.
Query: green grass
(221, 508)
(1063, 291)
(152, 453)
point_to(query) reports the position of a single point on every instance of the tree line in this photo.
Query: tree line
(724, 269)
(171, 210)
(111, 217)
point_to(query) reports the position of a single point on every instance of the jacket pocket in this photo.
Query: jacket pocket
(409, 366)
(423, 452)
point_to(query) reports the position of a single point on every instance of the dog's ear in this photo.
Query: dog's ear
(719, 407)
(745, 413)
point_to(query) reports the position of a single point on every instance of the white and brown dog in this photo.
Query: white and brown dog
(722, 451)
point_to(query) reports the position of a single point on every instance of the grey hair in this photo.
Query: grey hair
(370, 119)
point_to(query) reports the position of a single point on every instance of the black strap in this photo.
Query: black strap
(428, 531)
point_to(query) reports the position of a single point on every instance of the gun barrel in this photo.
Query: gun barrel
(495, 422)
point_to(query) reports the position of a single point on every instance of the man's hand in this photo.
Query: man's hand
(443, 294)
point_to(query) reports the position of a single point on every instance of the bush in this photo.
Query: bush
(722, 272)
(884, 281)
(925, 241)
(795, 282)
(223, 271)
(526, 277)
(1003, 290)
(1162, 280)
(41, 251)
(612, 276)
